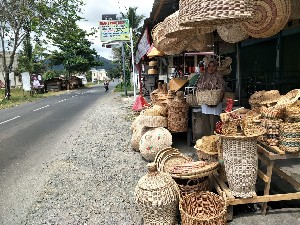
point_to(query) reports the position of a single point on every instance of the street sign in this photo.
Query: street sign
(114, 30)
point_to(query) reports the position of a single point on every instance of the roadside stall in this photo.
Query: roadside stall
(228, 160)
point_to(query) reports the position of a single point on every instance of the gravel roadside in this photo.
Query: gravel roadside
(94, 181)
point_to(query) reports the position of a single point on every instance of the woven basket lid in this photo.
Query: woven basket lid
(154, 180)
(232, 33)
(270, 16)
(202, 13)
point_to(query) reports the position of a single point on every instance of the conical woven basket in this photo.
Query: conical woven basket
(199, 13)
(157, 197)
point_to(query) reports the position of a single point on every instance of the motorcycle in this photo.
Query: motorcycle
(106, 87)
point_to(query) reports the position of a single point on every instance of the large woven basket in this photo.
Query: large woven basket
(241, 164)
(190, 186)
(209, 97)
(204, 208)
(153, 141)
(270, 16)
(199, 13)
(154, 121)
(178, 114)
(157, 197)
(295, 12)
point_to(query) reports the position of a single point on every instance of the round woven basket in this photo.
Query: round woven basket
(153, 141)
(154, 121)
(136, 137)
(199, 13)
(205, 208)
(288, 99)
(270, 16)
(152, 71)
(241, 164)
(157, 197)
(153, 63)
(190, 186)
(232, 33)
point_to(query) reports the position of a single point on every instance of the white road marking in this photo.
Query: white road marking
(41, 108)
(10, 120)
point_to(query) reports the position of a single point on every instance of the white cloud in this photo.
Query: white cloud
(93, 10)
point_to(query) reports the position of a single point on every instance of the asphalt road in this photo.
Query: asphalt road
(28, 134)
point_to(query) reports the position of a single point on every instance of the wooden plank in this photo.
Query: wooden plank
(273, 149)
(263, 176)
(267, 186)
(266, 198)
(288, 178)
(223, 186)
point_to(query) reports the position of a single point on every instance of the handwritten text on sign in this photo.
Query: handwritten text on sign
(114, 30)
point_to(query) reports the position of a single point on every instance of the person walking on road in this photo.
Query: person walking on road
(106, 85)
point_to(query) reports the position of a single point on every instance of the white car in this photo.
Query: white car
(83, 78)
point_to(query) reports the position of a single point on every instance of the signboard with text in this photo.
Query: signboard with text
(114, 30)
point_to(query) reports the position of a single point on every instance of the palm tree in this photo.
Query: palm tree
(135, 21)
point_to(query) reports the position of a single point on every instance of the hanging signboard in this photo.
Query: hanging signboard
(114, 30)
(143, 45)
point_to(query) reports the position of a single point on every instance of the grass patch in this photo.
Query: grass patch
(120, 87)
(18, 97)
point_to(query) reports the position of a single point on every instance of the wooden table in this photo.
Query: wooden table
(268, 156)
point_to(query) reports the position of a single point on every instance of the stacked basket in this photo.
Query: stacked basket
(289, 139)
(178, 114)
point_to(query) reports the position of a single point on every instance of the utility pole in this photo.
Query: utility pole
(124, 73)
(132, 60)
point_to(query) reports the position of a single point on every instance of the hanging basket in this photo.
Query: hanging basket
(199, 13)
(174, 30)
(204, 208)
(241, 164)
(232, 33)
(270, 16)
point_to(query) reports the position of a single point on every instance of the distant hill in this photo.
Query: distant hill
(107, 64)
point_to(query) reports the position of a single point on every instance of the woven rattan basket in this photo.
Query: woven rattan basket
(190, 186)
(157, 197)
(199, 13)
(209, 97)
(178, 114)
(270, 16)
(153, 141)
(232, 33)
(136, 137)
(204, 208)
(289, 137)
(241, 164)
(154, 121)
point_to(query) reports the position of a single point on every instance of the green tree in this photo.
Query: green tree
(75, 51)
(19, 18)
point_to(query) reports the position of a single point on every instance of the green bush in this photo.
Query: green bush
(120, 87)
